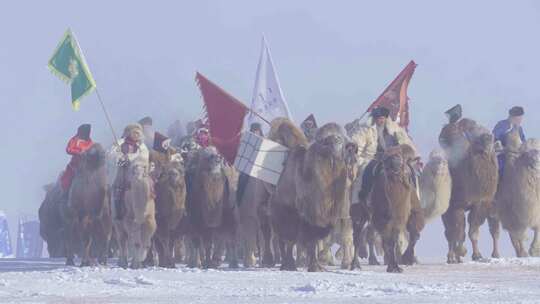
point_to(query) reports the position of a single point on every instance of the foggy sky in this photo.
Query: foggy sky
(333, 58)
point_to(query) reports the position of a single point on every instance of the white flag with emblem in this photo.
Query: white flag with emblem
(267, 100)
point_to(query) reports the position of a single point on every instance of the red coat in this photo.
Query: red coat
(75, 147)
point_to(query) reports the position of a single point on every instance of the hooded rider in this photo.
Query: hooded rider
(503, 127)
(309, 127)
(130, 148)
(77, 145)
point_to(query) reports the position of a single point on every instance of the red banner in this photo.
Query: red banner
(395, 96)
(225, 117)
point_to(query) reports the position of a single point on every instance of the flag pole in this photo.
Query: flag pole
(260, 116)
(107, 116)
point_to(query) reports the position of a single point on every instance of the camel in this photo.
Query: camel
(87, 214)
(51, 224)
(435, 186)
(211, 209)
(518, 197)
(170, 211)
(321, 186)
(392, 199)
(284, 215)
(136, 229)
(474, 170)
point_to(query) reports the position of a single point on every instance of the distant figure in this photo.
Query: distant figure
(309, 127)
(176, 133)
(77, 145)
(202, 137)
(503, 127)
(256, 128)
(148, 130)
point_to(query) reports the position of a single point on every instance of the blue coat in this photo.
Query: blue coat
(502, 128)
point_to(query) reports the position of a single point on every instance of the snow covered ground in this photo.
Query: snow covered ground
(492, 281)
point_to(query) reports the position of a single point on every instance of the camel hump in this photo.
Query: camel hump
(283, 131)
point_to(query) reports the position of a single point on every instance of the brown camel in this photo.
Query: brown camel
(474, 170)
(321, 185)
(88, 213)
(393, 198)
(51, 223)
(136, 229)
(170, 210)
(283, 212)
(211, 209)
(518, 196)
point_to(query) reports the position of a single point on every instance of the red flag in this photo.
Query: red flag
(395, 96)
(224, 116)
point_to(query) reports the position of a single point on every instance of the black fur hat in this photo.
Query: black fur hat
(454, 114)
(380, 112)
(83, 132)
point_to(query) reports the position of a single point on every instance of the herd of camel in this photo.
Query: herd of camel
(195, 217)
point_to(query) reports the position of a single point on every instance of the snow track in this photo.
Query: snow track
(491, 281)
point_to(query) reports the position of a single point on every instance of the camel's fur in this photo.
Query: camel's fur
(321, 183)
(88, 214)
(393, 202)
(474, 170)
(51, 223)
(435, 186)
(211, 209)
(136, 229)
(518, 199)
(170, 210)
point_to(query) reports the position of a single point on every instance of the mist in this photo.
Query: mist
(333, 60)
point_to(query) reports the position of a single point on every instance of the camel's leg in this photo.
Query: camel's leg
(323, 251)
(477, 217)
(535, 245)
(249, 232)
(207, 242)
(414, 226)
(517, 238)
(373, 242)
(135, 246)
(232, 248)
(194, 247)
(70, 239)
(358, 224)
(122, 240)
(391, 252)
(150, 258)
(495, 231)
(268, 256)
(312, 257)
(275, 248)
(86, 245)
(288, 262)
(454, 230)
(346, 243)
(301, 257)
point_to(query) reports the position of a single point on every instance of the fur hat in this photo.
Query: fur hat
(161, 142)
(83, 132)
(129, 128)
(145, 121)
(516, 111)
(311, 118)
(380, 112)
(454, 114)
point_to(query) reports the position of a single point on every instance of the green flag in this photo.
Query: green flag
(69, 65)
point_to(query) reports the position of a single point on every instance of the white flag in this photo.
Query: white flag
(267, 100)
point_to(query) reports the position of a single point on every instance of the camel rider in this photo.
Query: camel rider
(374, 138)
(77, 145)
(202, 137)
(129, 148)
(503, 127)
(162, 153)
(148, 130)
(309, 127)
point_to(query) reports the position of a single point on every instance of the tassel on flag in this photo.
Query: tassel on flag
(395, 96)
(225, 117)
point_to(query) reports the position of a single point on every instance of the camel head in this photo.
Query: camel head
(211, 160)
(95, 157)
(174, 174)
(483, 144)
(438, 162)
(531, 150)
(512, 140)
(331, 136)
(393, 161)
(284, 132)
